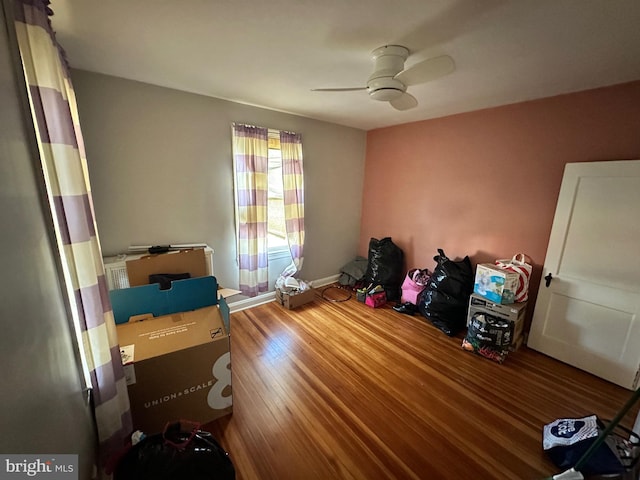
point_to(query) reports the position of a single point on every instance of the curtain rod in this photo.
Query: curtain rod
(272, 131)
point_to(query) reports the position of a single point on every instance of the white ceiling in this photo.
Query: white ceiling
(272, 53)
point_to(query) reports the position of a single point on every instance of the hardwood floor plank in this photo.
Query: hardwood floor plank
(343, 391)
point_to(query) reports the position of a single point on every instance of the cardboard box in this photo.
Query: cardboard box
(516, 343)
(192, 262)
(294, 299)
(496, 284)
(177, 364)
(514, 312)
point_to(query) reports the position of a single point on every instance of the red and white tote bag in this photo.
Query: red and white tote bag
(521, 264)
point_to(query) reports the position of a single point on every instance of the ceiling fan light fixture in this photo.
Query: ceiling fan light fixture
(385, 94)
(385, 89)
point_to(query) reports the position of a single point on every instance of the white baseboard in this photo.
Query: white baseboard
(321, 282)
(271, 296)
(252, 302)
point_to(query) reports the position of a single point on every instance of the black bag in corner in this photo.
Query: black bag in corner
(182, 451)
(385, 266)
(445, 299)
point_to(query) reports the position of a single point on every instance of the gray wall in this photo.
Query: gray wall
(161, 172)
(41, 399)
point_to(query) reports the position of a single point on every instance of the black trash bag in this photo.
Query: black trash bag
(445, 299)
(182, 451)
(385, 267)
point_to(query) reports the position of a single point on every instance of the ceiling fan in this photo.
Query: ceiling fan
(389, 80)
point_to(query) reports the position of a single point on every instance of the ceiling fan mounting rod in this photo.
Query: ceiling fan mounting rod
(389, 60)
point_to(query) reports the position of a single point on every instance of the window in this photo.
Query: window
(276, 229)
(269, 213)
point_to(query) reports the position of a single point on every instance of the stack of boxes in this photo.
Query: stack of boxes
(174, 342)
(494, 296)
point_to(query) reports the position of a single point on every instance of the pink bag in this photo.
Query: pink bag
(376, 299)
(520, 264)
(413, 284)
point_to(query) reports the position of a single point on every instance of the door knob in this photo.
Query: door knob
(548, 279)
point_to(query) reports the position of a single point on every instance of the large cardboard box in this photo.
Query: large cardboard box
(294, 299)
(496, 284)
(177, 364)
(192, 262)
(514, 312)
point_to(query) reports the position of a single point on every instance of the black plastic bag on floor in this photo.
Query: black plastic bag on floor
(182, 451)
(445, 299)
(385, 266)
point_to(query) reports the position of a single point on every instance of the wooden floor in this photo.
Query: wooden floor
(343, 391)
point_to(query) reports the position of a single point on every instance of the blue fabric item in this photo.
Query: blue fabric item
(566, 440)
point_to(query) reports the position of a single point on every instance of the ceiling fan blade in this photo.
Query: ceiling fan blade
(404, 102)
(426, 70)
(353, 89)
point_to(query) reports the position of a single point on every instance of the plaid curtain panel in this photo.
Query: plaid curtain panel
(63, 158)
(293, 186)
(250, 163)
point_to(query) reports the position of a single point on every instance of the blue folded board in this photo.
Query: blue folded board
(184, 295)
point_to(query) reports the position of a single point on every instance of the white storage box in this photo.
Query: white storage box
(495, 283)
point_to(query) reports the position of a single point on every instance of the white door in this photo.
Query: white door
(588, 306)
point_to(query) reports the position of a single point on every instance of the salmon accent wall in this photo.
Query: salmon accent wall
(485, 183)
